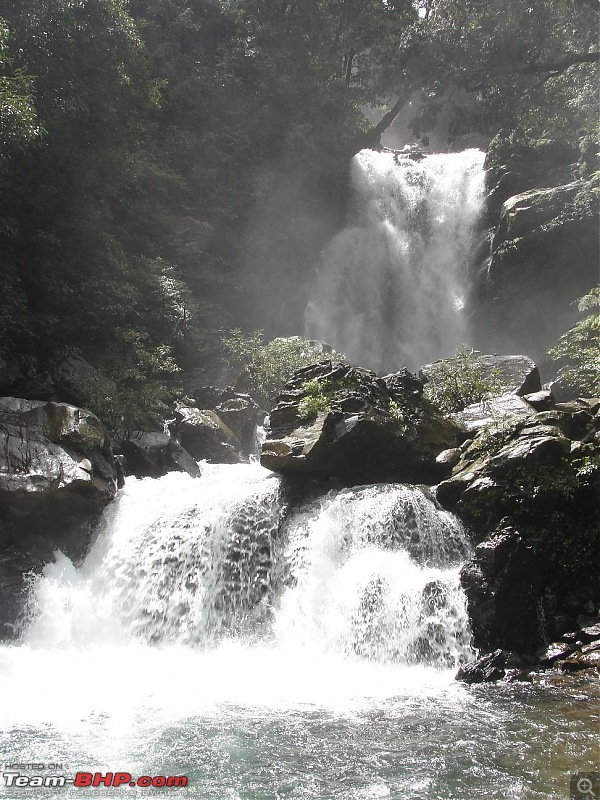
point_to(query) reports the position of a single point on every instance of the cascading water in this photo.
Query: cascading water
(392, 286)
(371, 572)
(267, 653)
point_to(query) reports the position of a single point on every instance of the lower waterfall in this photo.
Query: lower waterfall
(267, 650)
(370, 572)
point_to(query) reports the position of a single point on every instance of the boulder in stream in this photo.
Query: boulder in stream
(333, 419)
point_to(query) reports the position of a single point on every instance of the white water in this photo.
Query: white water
(310, 656)
(392, 287)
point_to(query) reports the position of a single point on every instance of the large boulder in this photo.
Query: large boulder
(240, 413)
(529, 492)
(333, 419)
(205, 436)
(495, 411)
(524, 212)
(57, 472)
(504, 583)
(53, 448)
(152, 455)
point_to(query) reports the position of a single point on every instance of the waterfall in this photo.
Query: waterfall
(392, 287)
(369, 573)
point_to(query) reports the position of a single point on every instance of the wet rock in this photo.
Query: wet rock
(332, 419)
(449, 457)
(57, 472)
(237, 410)
(496, 411)
(523, 212)
(557, 651)
(204, 435)
(504, 584)
(155, 454)
(590, 633)
(53, 448)
(489, 668)
(580, 661)
(482, 487)
(541, 401)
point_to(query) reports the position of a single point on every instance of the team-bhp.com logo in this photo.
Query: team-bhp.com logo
(85, 779)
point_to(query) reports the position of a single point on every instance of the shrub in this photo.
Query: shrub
(579, 347)
(268, 366)
(453, 384)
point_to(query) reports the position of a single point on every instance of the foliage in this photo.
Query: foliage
(316, 398)
(579, 347)
(453, 384)
(267, 366)
(557, 513)
(18, 124)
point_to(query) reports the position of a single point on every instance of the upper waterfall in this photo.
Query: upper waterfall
(392, 285)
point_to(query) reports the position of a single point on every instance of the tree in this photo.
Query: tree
(84, 227)
(514, 58)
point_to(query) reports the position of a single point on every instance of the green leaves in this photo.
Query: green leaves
(579, 347)
(455, 383)
(267, 366)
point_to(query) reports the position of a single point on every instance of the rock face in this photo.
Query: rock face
(529, 490)
(545, 246)
(57, 472)
(332, 419)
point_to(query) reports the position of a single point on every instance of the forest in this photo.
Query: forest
(171, 168)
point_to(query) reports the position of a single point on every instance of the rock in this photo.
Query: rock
(589, 634)
(503, 583)
(580, 661)
(57, 472)
(541, 401)
(53, 448)
(482, 487)
(557, 651)
(77, 381)
(531, 503)
(358, 425)
(513, 374)
(238, 411)
(486, 669)
(449, 457)
(205, 436)
(156, 454)
(528, 293)
(523, 212)
(497, 411)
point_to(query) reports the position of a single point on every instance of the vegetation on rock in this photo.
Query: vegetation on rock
(267, 366)
(454, 384)
(579, 348)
